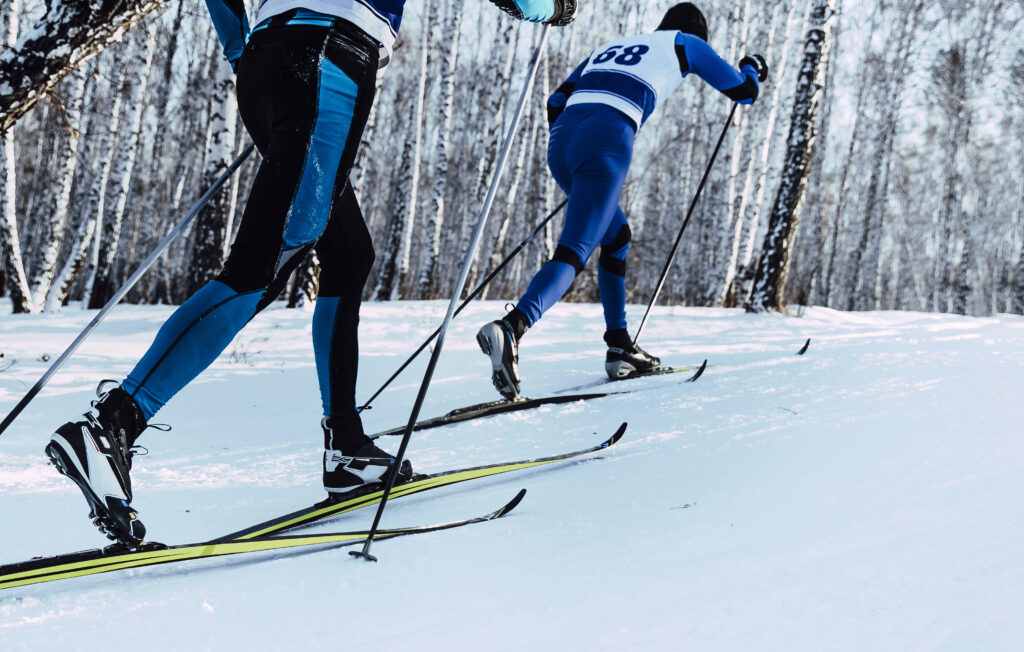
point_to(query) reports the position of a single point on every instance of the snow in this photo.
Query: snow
(867, 495)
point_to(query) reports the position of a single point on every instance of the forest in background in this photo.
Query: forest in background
(911, 197)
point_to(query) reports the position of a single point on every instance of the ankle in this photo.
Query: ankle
(618, 338)
(344, 433)
(122, 414)
(518, 322)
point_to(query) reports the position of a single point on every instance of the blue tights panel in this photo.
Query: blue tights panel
(589, 155)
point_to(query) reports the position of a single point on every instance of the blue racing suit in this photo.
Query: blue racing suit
(594, 118)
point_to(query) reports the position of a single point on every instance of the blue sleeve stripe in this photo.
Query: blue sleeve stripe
(232, 26)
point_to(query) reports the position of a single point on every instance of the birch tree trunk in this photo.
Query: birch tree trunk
(772, 269)
(748, 214)
(864, 291)
(427, 282)
(108, 144)
(397, 209)
(66, 35)
(84, 209)
(411, 183)
(72, 115)
(492, 111)
(157, 186)
(104, 283)
(11, 261)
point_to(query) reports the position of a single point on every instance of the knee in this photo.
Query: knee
(568, 256)
(613, 254)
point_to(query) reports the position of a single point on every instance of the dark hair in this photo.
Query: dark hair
(685, 17)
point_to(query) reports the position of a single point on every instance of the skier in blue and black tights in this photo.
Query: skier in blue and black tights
(306, 83)
(594, 118)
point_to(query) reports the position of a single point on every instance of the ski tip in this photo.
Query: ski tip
(616, 437)
(512, 504)
(806, 346)
(700, 372)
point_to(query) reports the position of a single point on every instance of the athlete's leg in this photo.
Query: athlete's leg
(311, 119)
(589, 158)
(611, 271)
(346, 256)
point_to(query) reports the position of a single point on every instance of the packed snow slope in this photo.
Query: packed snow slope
(866, 495)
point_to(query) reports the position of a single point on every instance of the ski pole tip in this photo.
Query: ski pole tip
(362, 555)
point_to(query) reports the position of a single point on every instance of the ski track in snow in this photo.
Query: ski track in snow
(867, 495)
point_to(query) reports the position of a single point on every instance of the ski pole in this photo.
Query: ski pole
(689, 214)
(436, 353)
(143, 268)
(479, 288)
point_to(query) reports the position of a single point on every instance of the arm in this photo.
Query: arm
(555, 12)
(556, 103)
(698, 57)
(232, 25)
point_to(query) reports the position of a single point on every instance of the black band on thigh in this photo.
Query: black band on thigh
(566, 255)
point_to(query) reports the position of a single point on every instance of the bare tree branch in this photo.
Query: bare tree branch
(68, 34)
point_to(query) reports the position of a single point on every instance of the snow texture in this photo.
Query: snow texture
(866, 495)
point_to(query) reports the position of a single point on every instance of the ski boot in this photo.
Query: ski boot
(352, 461)
(96, 453)
(625, 358)
(499, 340)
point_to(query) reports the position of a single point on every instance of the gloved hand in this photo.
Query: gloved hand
(554, 12)
(757, 62)
(565, 12)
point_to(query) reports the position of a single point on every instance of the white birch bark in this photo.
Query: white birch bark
(411, 183)
(450, 30)
(772, 270)
(748, 214)
(103, 282)
(86, 215)
(10, 246)
(43, 277)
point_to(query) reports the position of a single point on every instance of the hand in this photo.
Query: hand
(562, 11)
(757, 62)
(565, 12)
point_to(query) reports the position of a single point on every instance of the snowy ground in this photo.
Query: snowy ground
(865, 496)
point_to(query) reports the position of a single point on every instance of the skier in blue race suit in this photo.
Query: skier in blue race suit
(306, 83)
(594, 118)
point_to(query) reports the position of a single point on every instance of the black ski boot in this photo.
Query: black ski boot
(352, 461)
(97, 454)
(499, 340)
(626, 359)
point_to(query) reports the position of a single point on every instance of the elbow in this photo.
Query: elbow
(745, 93)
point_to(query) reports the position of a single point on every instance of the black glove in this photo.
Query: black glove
(757, 62)
(565, 12)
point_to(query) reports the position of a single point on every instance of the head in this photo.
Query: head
(685, 17)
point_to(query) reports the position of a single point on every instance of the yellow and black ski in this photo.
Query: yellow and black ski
(261, 537)
(417, 484)
(488, 409)
(112, 558)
